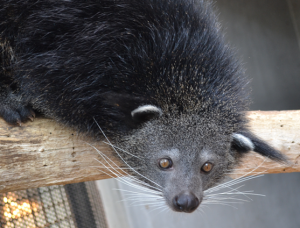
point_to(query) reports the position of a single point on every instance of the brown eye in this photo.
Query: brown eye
(165, 163)
(207, 167)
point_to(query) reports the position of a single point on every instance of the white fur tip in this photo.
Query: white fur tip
(243, 140)
(146, 108)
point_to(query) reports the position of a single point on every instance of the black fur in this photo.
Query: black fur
(263, 148)
(75, 60)
(78, 61)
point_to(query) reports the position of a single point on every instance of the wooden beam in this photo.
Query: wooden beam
(282, 130)
(43, 153)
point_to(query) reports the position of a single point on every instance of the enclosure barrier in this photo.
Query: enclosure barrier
(43, 153)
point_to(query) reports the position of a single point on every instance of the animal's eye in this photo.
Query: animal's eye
(165, 163)
(207, 167)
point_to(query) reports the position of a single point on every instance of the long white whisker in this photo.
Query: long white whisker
(225, 204)
(230, 183)
(123, 190)
(220, 198)
(234, 191)
(124, 179)
(115, 172)
(226, 198)
(105, 157)
(123, 150)
(122, 157)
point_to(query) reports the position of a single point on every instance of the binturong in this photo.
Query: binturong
(154, 76)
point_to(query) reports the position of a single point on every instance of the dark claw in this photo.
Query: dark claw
(13, 109)
(16, 116)
(32, 113)
(19, 123)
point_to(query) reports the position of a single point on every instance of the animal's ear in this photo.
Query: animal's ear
(245, 142)
(145, 113)
(127, 108)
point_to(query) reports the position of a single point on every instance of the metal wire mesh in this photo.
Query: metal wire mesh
(71, 206)
(81, 207)
(86, 205)
(96, 203)
(36, 208)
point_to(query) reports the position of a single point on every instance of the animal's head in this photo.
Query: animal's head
(182, 155)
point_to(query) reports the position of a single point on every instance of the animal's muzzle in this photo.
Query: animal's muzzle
(186, 202)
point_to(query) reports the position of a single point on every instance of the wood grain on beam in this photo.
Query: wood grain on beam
(282, 130)
(43, 153)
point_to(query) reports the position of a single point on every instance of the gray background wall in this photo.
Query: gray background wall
(266, 36)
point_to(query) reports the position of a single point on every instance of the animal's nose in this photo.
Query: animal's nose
(186, 202)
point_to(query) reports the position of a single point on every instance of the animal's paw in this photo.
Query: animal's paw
(16, 114)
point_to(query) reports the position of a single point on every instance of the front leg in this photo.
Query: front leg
(13, 108)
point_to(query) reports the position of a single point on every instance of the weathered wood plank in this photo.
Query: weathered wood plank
(43, 152)
(282, 130)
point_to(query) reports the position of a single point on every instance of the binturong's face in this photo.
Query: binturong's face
(176, 159)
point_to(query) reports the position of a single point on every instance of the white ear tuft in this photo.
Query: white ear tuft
(243, 141)
(146, 109)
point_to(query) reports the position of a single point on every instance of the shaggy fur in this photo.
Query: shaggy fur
(79, 61)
